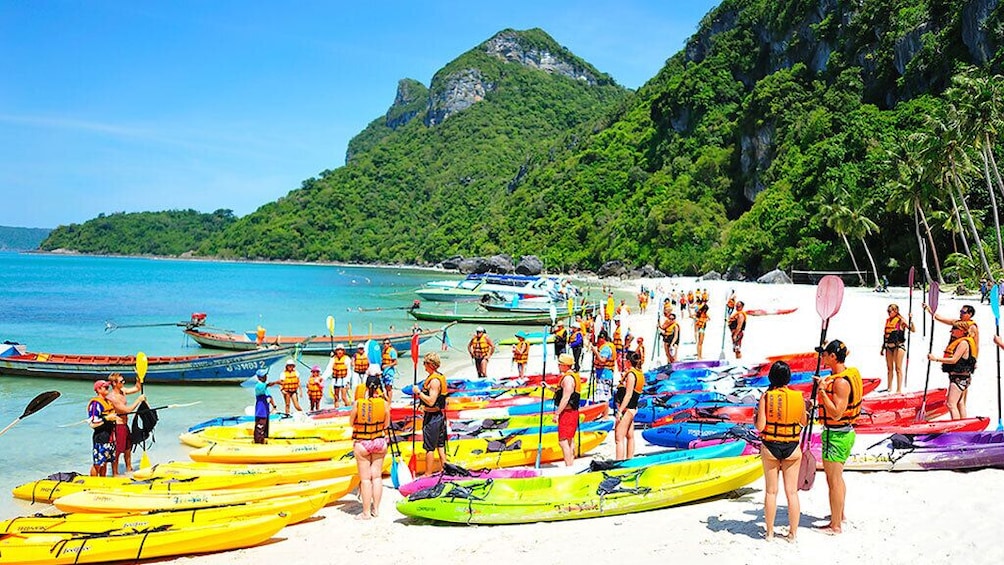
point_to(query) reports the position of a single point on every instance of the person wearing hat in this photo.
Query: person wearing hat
(520, 353)
(388, 368)
(360, 364)
(626, 403)
(737, 325)
(315, 388)
(670, 330)
(839, 407)
(290, 386)
(432, 396)
(102, 418)
(576, 342)
(123, 443)
(566, 406)
(619, 346)
(370, 419)
(640, 348)
(560, 334)
(340, 376)
(481, 349)
(262, 402)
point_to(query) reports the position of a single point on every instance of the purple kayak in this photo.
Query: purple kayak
(931, 452)
(457, 473)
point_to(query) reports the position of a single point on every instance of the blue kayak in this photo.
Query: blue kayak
(725, 449)
(680, 435)
(234, 420)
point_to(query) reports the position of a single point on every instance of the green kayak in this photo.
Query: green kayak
(587, 495)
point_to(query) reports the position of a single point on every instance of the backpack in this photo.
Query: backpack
(142, 425)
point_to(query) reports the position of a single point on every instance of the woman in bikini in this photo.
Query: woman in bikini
(780, 417)
(370, 418)
(894, 346)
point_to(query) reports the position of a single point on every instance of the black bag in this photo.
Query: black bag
(143, 424)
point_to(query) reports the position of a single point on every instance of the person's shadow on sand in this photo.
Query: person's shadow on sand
(753, 528)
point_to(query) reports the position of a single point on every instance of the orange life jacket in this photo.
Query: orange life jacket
(784, 409)
(388, 357)
(340, 368)
(520, 353)
(479, 346)
(967, 364)
(853, 409)
(360, 362)
(573, 399)
(314, 389)
(639, 379)
(290, 381)
(441, 400)
(602, 363)
(893, 333)
(370, 420)
(618, 342)
(670, 331)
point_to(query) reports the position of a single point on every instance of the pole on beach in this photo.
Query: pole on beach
(543, 386)
(725, 324)
(413, 462)
(656, 341)
(932, 303)
(41, 401)
(829, 295)
(995, 306)
(909, 315)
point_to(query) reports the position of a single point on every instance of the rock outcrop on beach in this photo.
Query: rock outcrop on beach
(777, 276)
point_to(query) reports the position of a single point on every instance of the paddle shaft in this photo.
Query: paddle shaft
(927, 378)
(997, 332)
(909, 315)
(543, 386)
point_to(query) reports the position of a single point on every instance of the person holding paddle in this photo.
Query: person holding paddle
(566, 406)
(102, 417)
(959, 362)
(432, 395)
(839, 400)
(780, 417)
(894, 346)
(737, 325)
(117, 396)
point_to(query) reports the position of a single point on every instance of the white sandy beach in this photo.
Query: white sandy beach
(922, 517)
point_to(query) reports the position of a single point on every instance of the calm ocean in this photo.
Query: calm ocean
(62, 304)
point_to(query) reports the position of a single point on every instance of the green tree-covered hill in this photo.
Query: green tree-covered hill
(806, 134)
(173, 232)
(21, 239)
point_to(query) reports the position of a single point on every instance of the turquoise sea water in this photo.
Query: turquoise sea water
(62, 304)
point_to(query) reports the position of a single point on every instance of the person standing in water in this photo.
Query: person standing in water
(123, 443)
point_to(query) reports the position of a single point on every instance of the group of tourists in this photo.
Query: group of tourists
(108, 415)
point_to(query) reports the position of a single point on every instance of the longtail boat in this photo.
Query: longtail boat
(187, 369)
(493, 318)
(312, 345)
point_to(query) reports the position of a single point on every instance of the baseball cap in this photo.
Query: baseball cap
(261, 373)
(101, 384)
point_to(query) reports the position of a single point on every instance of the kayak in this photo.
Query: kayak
(587, 495)
(235, 420)
(680, 435)
(294, 472)
(132, 545)
(733, 448)
(111, 501)
(770, 312)
(334, 432)
(47, 490)
(501, 433)
(298, 508)
(270, 452)
(512, 451)
(457, 473)
(947, 451)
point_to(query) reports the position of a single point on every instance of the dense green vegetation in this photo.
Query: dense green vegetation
(157, 233)
(21, 239)
(794, 134)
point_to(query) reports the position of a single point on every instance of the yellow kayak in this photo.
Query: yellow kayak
(110, 501)
(296, 508)
(47, 490)
(493, 454)
(308, 431)
(132, 545)
(271, 452)
(283, 472)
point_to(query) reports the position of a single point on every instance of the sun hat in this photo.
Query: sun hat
(339, 346)
(566, 359)
(521, 335)
(290, 361)
(100, 385)
(479, 329)
(315, 369)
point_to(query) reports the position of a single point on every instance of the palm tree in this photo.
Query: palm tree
(910, 194)
(839, 218)
(858, 226)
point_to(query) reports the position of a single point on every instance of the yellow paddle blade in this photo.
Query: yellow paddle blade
(331, 325)
(144, 461)
(141, 364)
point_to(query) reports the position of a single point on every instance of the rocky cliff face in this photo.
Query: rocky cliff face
(459, 90)
(509, 46)
(410, 99)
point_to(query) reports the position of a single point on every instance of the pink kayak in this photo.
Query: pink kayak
(461, 474)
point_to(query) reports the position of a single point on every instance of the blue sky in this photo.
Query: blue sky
(134, 106)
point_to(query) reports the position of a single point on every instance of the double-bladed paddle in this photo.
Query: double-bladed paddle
(909, 282)
(331, 333)
(995, 306)
(543, 385)
(932, 303)
(41, 401)
(829, 296)
(141, 366)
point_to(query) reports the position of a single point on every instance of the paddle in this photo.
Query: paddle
(186, 405)
(721, 356)
(331, 333)
(829, 295)
(909, 282)
(932, 303)
(995, 306)
(543, 386)
(141, 366)
(412, 462)
(399, 474)
(111, 326)
(658, 330)
(41, 401)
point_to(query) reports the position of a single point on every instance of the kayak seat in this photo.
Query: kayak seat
(612, 484)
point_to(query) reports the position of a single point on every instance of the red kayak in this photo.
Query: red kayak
(799, 362)
(773, 312)
(935, 427)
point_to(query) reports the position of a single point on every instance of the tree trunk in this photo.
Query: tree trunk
(962, 228)
(857, 269)
(934, 250)
(972, 226)
(871, 260)
(993, 162)
(993, 204)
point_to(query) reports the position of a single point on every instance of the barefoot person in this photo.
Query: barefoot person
(315, 388)
(262, 402)
(670, 330)
(123, 443)
(839, 407)
(432, 395)
(631, 385)
(388, 368)
(520, 353)
(290, 386)
(370, 418)
(700, 325)
(102, 418)
(780, 416)
(566, 406)
(481, 349)
(340, 363)
(894, 346)
(959, 362)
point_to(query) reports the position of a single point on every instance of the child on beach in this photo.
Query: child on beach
(315, 388)
(520, 353)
